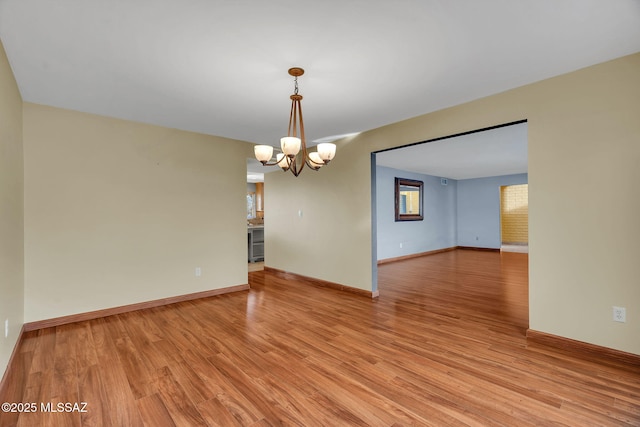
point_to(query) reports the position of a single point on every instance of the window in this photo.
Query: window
(251, 205)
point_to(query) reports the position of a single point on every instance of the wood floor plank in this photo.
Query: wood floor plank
(64, 387)
(137, 328)
(195, 387)
(16, 386)
(443, 345)
(154, 412)
(178, 404)
(217, 414)
(119, 399)
(226, 392)
(91, 391)
(246, 385)
(90, 387)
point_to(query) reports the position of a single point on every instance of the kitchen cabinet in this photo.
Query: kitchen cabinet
(260, 200)
(255, 239)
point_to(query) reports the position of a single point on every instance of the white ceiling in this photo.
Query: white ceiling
(220, 66)
(493, 152)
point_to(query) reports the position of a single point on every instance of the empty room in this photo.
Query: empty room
(447, 236)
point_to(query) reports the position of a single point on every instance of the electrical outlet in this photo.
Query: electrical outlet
(400, 245)
(198, 272)
(6, 328)
(619, 314)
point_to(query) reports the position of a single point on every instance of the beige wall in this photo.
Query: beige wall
(118, 212)
(332, 238)
(584, 140)
(11, 212)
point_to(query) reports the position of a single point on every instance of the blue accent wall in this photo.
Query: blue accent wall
(478, 214)
(463, 213)
(436, 231)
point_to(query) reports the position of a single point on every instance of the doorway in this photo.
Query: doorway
(255, 216)
(514, 218)
(463, 175)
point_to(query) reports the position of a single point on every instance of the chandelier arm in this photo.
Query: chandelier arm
(302, 138)
(274, 163)
(313, 165)
(294, 167)
(303, 141)
(292, 119)
(296, 118)
(288, 161)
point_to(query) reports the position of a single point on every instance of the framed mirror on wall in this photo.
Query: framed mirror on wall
(409, 199)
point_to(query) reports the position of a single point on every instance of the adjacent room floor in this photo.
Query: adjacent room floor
(515, 248)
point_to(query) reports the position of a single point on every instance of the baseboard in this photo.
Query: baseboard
(473, 248)
(5, 375)
(420, 254)
(437, 251)
(322, 283)
(582, 347)
(80, 317)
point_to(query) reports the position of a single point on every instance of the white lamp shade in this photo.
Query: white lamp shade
(290, 145)
(283, 161)
(316, 161)
(263, 152)
(327, 151)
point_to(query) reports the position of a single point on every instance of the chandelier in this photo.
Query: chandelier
(294, 155)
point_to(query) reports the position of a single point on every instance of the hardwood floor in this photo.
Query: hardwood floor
(256, 266)
(444, 345)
